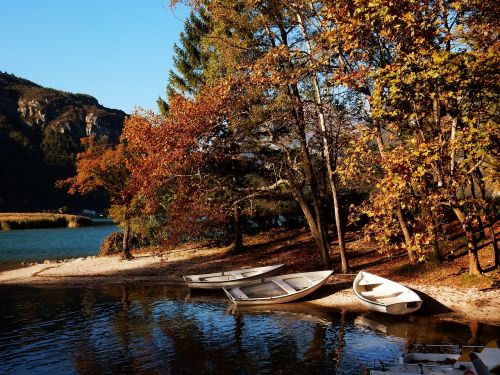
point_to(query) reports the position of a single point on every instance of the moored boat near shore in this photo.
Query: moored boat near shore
(221, 279)
(379, 294)
(278, 289)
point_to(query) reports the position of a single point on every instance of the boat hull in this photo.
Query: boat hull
(197, 282)
(283, 298)
(385, 296)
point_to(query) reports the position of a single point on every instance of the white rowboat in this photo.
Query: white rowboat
(278, 289)
(383, 295)
(229, 278)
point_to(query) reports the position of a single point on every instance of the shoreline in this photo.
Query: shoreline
(440, 301)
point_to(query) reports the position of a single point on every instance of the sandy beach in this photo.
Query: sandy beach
(453, 303)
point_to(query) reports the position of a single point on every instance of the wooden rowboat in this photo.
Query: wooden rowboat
(218, 280)
(277, 289)
(383, 295)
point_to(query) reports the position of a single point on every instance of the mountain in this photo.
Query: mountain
(40, 132)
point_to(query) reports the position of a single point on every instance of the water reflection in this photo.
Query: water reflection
(163, 330)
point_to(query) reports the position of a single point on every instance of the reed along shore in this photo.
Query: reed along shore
(17, 220)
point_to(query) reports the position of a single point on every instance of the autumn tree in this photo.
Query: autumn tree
(410, 87)
(174, 164)
(258, 37)
(432, 94)
(102, 166)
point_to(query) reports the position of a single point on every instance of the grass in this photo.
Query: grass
(15, 220)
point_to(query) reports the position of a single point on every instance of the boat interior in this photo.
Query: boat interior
(276, 287)
(378, 292)
(227, 277)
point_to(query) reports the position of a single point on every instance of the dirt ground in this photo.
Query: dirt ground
(447, 290)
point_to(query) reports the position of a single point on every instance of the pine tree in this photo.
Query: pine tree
(190, 59)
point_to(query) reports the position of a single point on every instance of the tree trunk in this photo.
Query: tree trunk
(487, 217)
(429, 215)
(126, 241)
(474, 266)
(436, 255)
(406, 234)
(237, 245)
(237, 233)
(321, 236)
(311, 222)
(493, 237)
(454, 121)
(482, 232)
(299, 116)
(340, 233)
(326, 154)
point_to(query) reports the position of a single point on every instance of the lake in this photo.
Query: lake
(153, 329)
(54, 243)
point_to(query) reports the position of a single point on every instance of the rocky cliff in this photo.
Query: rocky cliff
(40, 132)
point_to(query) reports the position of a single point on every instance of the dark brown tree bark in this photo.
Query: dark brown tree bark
(436, 254)
(316, 233)
(126, 242)
(237, 245)
(474, 266)
(487, 217)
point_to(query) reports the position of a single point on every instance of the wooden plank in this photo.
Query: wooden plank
(285, 286)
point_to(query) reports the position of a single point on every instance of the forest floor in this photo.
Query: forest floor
(446, 289)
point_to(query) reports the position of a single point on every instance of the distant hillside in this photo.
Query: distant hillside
(40, 131)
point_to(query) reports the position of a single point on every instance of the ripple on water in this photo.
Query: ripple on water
(137, 329)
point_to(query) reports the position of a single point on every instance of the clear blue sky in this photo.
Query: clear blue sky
(118, 51)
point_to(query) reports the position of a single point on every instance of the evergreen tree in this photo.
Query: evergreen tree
(190, 59)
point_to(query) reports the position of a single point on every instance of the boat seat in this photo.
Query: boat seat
(379, 295)
(238, 293)
(390, 300)
(370, 283)
(285, 286)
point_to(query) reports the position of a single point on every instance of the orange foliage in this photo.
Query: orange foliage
(169, 159)
(100, 167)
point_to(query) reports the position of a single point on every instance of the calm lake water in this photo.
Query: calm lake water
(145, 329)
(53, 243)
